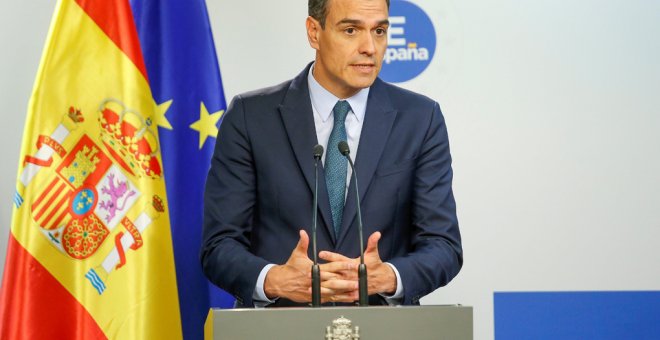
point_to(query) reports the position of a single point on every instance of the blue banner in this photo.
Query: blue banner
(182, 66)
(577, 315)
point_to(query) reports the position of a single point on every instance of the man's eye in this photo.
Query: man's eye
(381, 31)
(350, 30)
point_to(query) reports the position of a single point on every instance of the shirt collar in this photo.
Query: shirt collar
(324, 101)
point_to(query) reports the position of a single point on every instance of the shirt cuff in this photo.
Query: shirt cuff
(259, 296)
(397, 298)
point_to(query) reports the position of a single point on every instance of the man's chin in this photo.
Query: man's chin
(364, 82)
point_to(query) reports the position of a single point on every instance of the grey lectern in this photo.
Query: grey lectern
(350, 323)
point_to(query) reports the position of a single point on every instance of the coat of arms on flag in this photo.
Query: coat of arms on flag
(90, 192)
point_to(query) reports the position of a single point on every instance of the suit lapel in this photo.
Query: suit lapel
(378, 121)
(297, 115)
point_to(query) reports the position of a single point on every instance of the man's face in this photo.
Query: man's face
(349, 51)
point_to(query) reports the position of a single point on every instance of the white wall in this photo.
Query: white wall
(553, 110)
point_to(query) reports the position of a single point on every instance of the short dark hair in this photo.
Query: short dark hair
(318, 9)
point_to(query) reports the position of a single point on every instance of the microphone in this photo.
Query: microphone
(362, 268)
(316, 271)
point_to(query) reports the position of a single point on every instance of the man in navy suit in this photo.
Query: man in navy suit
(258, 199)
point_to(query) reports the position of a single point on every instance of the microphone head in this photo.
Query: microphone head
(318, 151)
(343, 148)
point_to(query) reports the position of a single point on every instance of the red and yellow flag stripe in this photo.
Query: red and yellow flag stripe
(92, 57)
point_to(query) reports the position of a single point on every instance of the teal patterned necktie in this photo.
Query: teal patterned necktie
(336, 164)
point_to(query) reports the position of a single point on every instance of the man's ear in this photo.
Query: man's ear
(313, 32)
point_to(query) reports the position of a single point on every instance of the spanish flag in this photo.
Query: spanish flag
(90, 254)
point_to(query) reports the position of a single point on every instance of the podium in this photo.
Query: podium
(330, 323)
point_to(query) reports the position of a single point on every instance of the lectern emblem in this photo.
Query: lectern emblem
(341, 330)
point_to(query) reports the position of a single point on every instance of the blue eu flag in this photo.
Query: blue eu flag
(182, 67)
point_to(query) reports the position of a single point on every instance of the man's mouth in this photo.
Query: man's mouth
(363, 67)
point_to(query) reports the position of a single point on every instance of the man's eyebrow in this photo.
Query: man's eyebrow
(349, 21)
(384, 22)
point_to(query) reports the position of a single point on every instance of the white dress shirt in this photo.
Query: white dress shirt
(322, 104)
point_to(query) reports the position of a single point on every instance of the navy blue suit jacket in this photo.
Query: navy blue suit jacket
(260, 185)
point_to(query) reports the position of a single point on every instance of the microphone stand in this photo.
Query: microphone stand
(316, 271)
(362, 268)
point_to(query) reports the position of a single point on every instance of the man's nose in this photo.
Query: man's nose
(368, 44)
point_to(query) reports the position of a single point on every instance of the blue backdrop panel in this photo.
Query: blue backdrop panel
(577, 315)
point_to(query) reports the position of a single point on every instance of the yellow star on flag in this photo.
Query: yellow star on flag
(206, 125)
(159, 115)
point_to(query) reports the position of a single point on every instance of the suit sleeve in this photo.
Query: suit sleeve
(229, 203)
(435, 255)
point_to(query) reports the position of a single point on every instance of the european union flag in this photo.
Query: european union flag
(182, 67)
